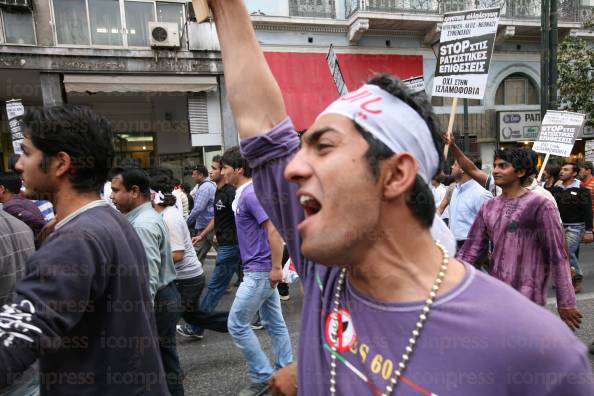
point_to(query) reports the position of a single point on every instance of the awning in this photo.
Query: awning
(308, 87)
(128, 83)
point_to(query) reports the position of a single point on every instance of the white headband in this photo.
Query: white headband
(391, 121)
(159, 197)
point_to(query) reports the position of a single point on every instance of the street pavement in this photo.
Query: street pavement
(214, 366)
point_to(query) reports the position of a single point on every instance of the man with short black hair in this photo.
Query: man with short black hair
(575, 206)
(352, 202)
(467, 198)
(261, 250)
(18, 206)
(93, 260)
(228, 260)
(203, 211)
(130, 193)
(525, 233)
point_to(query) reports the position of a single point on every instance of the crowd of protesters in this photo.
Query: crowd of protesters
(96, 284)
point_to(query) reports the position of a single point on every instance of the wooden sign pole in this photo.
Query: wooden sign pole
(542, 168)
(450, 126)
(201, 10)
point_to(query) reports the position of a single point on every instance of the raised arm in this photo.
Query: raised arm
(255, 98)
(466, 164)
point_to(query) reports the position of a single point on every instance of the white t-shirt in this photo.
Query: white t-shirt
(179, 237)
(178, 201)
(438, 193)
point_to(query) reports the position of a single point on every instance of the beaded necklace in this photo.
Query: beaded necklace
(414, 334)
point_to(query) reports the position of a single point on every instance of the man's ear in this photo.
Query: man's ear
(63, 163)
(135, 190)
(398, 175)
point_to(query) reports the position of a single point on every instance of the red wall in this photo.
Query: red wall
(307, 84)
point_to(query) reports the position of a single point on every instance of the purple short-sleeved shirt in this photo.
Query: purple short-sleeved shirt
(481, 338)
(251, 235)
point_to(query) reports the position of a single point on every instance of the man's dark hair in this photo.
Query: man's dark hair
(574, 166)
(11, 182)
(590, 166)
(201, 169)
(553, 171)
(217, 158)
(477, 161)
(86, 137)
(420, 200)
(232, 157)
(518, 158)
(134, 177)
(161, 181)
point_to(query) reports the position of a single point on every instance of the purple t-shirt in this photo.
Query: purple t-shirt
(481, 338)
(528, 244)
(251, 235)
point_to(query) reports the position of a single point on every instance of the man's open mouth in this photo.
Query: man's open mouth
(310, 205)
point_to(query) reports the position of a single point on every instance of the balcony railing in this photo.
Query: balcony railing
(513, 9)
(313, 8)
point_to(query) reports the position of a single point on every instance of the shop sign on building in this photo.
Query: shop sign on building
(464, 55)
(517, 126)
(558, 132)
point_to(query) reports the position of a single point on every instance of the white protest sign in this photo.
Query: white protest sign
(15, 110)
(336, 72)
(589, 152)
(558, 132)
(415, 84)
(464, 56)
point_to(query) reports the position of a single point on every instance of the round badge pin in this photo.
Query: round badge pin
(340, 331)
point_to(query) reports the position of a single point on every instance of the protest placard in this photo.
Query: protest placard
(336, 72)
(464, 56)
(558, 132)
(589, 152)
(15, 112)
(415, 84)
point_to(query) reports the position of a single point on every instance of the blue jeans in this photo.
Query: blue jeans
(253, 294)
(167, 311)
(573, 236)
(228, 260)
(190, 291)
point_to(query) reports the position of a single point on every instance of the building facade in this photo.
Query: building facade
(399, 36)
(157, 75)
(144, 65)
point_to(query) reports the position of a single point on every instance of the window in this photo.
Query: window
(171, 12)
(18, 27)
(72, 25)
(118, 23)
(106, 24)
(517, 89)
(138, 15)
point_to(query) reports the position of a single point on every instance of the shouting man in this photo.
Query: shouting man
(384, 304)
